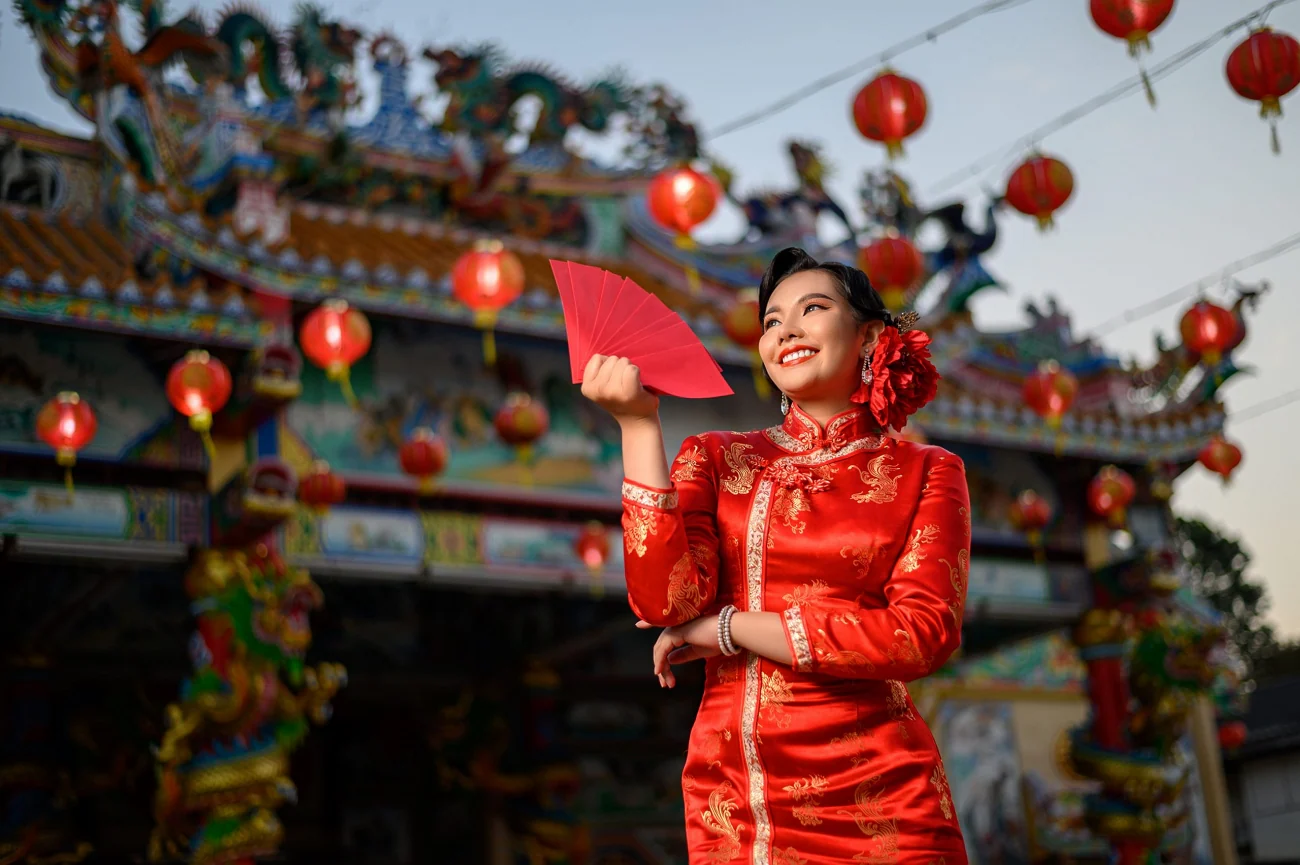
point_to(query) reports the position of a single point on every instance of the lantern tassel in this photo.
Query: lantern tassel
(343, 375)
(67, 482)
(524, 453)
(486, 320)
(686, 244)
(208, 445)
(1273, 136)
(1146, 86)
(761, 386)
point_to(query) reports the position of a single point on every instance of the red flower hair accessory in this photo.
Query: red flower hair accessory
(903, 378)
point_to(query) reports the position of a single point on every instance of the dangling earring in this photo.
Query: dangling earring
(867, 374)
(862, 395)
(785, 404)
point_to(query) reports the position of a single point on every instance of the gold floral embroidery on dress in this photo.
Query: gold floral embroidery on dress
(688, 783)
(638, 524)
(687, 465)
(808, 792)
(717, 819)
(862, 557)
(743, 468)
(649, 498)
(911, 559)
(904, 651)
(775, 694)
(871, 819)
(808, 593)
(883, 485)
(712, 749)
(684, 593)
(939, 780)
(788, 856)
(959, 577)
(900, 706)
(794, 490)
(843, 658)
(728, 672)
(855, 745)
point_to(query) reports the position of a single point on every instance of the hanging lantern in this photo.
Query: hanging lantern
(199, 387)
(66, 423)
(520, 422)
(1109, 495)
(320, 489)
(1232, 735)
(334, 336)
(423, 456)
(1265, 68)
(1040, 186)
(894, 265)
(1208, 330)
(1050, 391)
(742, 321)
(889, 109)
(680, 199)
(1221, 457)
(1030, 513)
(1133, 21)
(592, 549)
(487, 279)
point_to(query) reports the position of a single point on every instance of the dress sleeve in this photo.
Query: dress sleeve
(920, 625)
(670, 540)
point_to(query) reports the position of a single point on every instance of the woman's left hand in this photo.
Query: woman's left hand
(680, 644)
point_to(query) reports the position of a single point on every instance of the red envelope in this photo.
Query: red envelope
(610, 315)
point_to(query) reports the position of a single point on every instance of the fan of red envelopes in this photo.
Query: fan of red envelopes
(608, 314)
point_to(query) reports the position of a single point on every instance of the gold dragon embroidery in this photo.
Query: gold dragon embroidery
(911, 559)
(871, 819)
(743, 467)
(728, 672)
(684, 594)
(939, 780)
(959, 577)
(900, 707)
(808, 792)
(905, 651)
(883, 485)
(638, 524)
(788, 856)
(717, 819)
(687, 464)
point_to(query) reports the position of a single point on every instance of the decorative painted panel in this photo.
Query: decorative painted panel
(131, 514)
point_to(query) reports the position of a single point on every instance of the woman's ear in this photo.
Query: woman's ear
(871, 332)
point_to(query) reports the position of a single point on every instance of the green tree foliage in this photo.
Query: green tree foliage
(1216, 566)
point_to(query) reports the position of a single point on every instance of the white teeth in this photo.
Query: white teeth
(797, 355)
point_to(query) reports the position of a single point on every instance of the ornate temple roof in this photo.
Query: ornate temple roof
(261, 182)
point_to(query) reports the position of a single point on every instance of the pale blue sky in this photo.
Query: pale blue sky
(1163, 197)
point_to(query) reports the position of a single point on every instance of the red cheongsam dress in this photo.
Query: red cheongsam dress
(862, 543)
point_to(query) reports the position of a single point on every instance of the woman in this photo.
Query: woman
(817, 566)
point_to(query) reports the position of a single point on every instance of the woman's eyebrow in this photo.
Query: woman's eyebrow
(816, 295)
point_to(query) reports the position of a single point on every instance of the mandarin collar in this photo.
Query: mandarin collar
(844, 429)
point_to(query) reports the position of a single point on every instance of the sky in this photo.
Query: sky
(1163, 197)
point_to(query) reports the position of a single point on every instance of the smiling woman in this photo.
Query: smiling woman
(815, 567)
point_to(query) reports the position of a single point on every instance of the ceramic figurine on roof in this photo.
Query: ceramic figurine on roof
(789, 214)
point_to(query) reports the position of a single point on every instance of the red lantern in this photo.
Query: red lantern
(1050, 391)
(1232, 735)
(894, 265)
(1265, 68)
(321, 489)
(1040, 186)
(199, 386)
(1221, 457)
(520, 422)
(889, 109)
(592, 547)
(487, 279)
(1208, 330)
(1133, 21)
(66, 423)
(681, 199)
(423, 456)
(1109, 495)
(334, 336)
(1030, 513)
(742, 321)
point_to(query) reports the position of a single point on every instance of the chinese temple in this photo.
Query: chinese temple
(366, 606)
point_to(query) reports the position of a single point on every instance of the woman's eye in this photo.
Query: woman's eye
(810, 307)
(770, 323)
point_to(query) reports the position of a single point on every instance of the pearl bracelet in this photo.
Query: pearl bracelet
(725, 644)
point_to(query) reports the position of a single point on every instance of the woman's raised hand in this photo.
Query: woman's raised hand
(614, 384)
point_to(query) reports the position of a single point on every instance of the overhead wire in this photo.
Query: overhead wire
(1136, 313)
(1125, 88)
(1264, 407)
(859, 66)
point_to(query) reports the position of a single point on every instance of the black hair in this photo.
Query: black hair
(862, 297)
